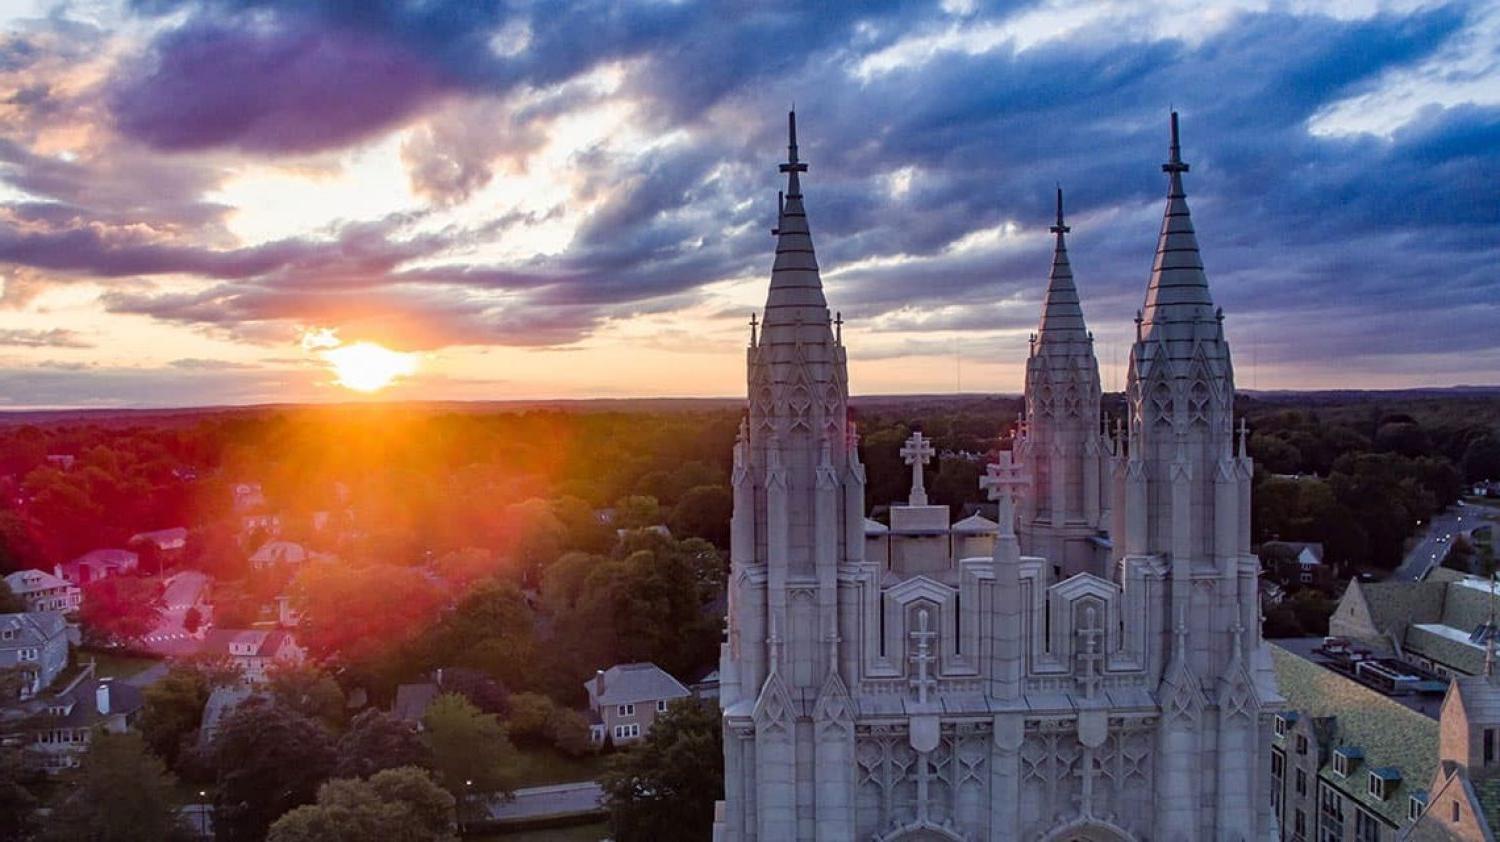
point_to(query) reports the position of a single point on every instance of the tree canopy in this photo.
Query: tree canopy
(664, 788)
(395, 804)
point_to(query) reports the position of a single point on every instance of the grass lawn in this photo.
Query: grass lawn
(582, 833)
(544, 766)
(114, 664)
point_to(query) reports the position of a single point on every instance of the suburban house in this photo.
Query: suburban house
(168, 542)
(255, 651)
(1441, 623)
(276, 553)
(37, 643)
(98, 564)
(1347, 763)
(55, 728)
(43, 591)
(626, 698)
(1295, 563)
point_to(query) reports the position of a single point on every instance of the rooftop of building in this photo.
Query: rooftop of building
(1391, 735)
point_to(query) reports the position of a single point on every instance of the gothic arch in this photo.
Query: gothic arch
(920, 831)
(1089, 830)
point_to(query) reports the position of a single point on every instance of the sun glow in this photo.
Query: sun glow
(361, 366)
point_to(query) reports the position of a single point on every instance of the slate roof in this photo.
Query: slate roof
(875, 527)
(221, 702)
(1389, 733)
(164, 538)
(1394, 605)
(1436, 646)
(630, 683)
(267, 642)
(32, 628)
(23, 582)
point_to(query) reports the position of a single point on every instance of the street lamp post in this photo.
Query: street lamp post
(203, 812)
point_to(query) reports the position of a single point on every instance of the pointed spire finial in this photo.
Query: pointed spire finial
(1060, 228)
(1174, 163)
(753, 324)
(793, 165)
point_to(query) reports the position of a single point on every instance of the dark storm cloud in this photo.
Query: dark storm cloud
(1318, 239)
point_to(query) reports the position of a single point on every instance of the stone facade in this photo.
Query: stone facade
(966, 686)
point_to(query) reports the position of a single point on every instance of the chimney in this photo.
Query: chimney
(599, 683)
(437, 677)
(101, 696)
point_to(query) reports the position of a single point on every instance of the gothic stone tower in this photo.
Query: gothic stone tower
(948, 685)
(1065, 513)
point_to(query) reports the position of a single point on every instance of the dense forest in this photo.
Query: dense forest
(452, 525)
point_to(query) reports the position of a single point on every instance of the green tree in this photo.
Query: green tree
(376, 741)
(569, 731)
(703, 512)
(665, 787)
(637, 512)
(17, 802)
(9, 602)
(121, 609)
(123, 792)
(173, 710)
(471, 754)
(396, 804)
(269, 759)
(529, 717)
(308, 691)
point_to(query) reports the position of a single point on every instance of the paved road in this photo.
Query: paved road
(1436, 539)
(549, 801)
(184, 590)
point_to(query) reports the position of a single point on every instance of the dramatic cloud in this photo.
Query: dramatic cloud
(527, 175)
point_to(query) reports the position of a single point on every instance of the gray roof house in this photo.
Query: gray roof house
(36, 642)
(625, 699)
(43, 591)
(55, 728)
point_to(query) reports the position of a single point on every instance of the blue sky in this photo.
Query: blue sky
(201, 200)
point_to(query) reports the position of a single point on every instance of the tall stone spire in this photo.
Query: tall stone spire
(1062, 315)
(1062, 444)
(1178, 304)
(796, 295)
(1186, 494)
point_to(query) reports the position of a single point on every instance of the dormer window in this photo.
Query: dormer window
(1345, 758)
(1416, 805)
(1284, 723)
(1383, 782)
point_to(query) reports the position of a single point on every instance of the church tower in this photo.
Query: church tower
(1065, 512)
(1186, 516)
(927, 680)
(798, 514)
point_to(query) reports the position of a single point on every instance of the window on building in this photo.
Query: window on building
(625, 710)
(1340, 764)
(661, 705)
(1302, 744)
(1331, 812)
(1299, 824)
(1278, 764)
(1489, 746)
(8, 634)
(1415, 805)
(1455, 811)
(1366, 827)
(1302, 782)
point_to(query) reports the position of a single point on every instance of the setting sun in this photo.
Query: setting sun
(367, 367)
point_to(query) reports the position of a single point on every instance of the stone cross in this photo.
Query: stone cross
(1004, 481)
(922, 658)
(753, 324)
(917, 452)
(1089, 656)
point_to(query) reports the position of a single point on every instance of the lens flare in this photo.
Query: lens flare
(368, 367)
